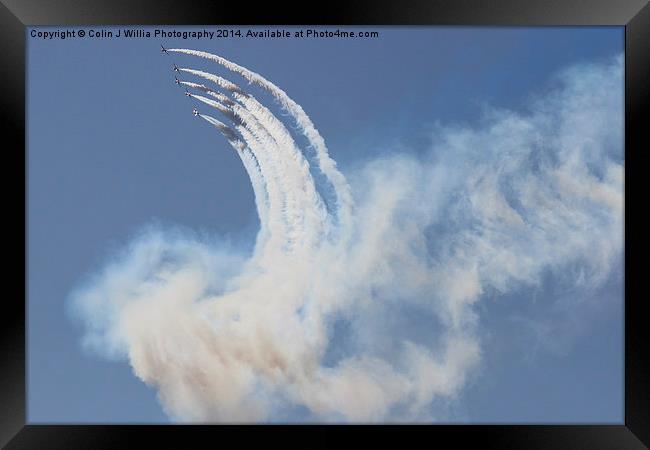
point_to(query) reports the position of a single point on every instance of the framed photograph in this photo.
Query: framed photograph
(385, 219)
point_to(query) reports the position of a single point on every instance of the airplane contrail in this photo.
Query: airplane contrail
(326, 164)
(283, 214)
(219, 81)
(227, 131)
(279, 227)
(217, 95)
(316, 218)
(304, 216)
(302, 208)
(253, 171)
(225, 110)
(291, 210)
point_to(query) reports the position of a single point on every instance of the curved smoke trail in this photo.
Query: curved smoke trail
(317, 219)
(218, 95)
(303, 208)
(326, 164)
(331, 323)
(264, 148)
(219, 81)
(225, 110)
(248, 159)
(254, 174)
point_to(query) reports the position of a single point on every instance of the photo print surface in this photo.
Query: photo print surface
(325, 225)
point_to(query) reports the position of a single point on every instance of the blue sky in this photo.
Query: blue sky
(113, 146)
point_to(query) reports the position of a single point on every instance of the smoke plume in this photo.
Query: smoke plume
(314, 318)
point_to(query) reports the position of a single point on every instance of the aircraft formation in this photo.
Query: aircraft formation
(178, 82)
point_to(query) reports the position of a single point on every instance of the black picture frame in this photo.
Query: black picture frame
(16, 15)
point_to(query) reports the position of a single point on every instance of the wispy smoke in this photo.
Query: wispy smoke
(315, 317)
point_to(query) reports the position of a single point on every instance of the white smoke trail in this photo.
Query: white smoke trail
(227, 131)
(225, 110)
(326, 164)
(286, 237)
(306, 215)
(297, 204)
(253, 170)
(292, 197)
(488, 211)
(218, 95)
(299, 197)
(312, 205)
(219, 81)
(259, 191)
(278, 219)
